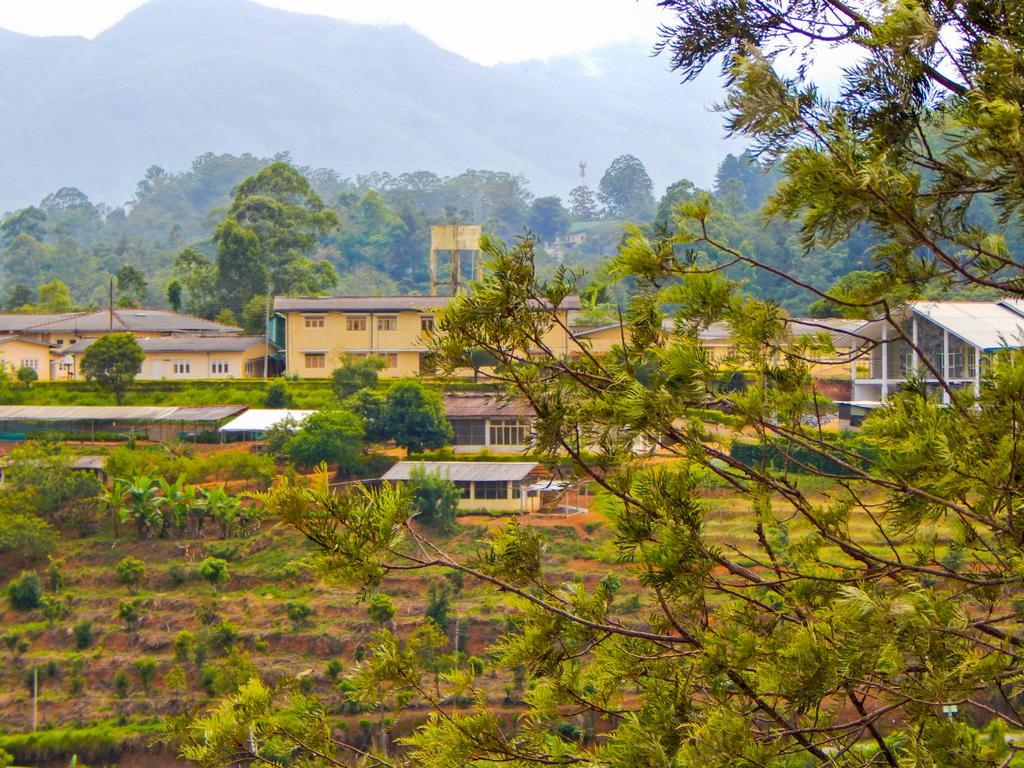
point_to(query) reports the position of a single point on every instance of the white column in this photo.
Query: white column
(885, 360)
(977, 372)
(916, 367)
(945, 365)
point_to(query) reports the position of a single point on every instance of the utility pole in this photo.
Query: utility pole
(266, 337)
(110, 306)
(35, 698)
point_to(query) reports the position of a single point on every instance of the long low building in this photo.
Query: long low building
(497, 485)
(158, 423)
(189, 357)
(488, 422)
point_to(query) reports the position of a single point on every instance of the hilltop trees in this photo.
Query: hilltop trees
(626, 190)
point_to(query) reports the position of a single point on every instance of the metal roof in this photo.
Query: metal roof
(262, 419)
(459, 405)
(360, 303)
(15, 322)
(5, 339)
(983, 324)
(464, 471)
(378, 303)
(117, 412)
(133, 320)
(185, 344)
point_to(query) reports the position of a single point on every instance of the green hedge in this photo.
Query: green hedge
(781, 455)
(101, 742)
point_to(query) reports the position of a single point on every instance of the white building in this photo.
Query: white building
(954, 337)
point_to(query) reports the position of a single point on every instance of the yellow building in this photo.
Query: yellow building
(187, 358)
(316, 331)
(17, 352)
(492, 485)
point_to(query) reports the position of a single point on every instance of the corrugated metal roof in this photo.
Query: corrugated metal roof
(262, 419)
(464, 471)
(460, 405)
(15, 322)
(117, 412)
(134, 320)
(5, 339)
(359, 303)
(378, 303)
(984, 324)
(184, 344)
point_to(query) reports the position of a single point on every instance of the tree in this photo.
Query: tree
(132, 572)
(278, 395)
(381, 608)
(132, 612)
(55, 296)
(356, 373)
(19, 296)
(273, 223)
(414, 417)
(626, 190)
(215, 571)
(174, 291)
(435, 499)
(583, 203)
(255, 314)
(131, 284)
(845, 626)
(112, 362)
(29, 221)
(548, 218)
(335, 437)
(25, 592)
(369, 405)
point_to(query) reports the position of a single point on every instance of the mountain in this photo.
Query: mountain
(177, 78)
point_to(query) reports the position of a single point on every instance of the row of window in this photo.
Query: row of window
(181, 367)
(512, 431)
(488, 489)
(358, 323)
(319, 359)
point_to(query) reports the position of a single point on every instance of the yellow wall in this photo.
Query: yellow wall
(406, 341)
(160, 365)
(16, 353)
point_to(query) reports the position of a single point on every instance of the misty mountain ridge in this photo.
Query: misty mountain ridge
(178, 78)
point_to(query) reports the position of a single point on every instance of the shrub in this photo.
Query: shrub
(356, 373)
(215, 571)
(131, 612)
(25, 533)
(381, 608)
(83, 634)
(25, 592)
(177, 574)
(121, 684)
(414, 417)
(55, 579)
(132, 572)
(298, 612)
(278, 395)
(184, 643)
(224, 635)
(146, 670)
(54, 609)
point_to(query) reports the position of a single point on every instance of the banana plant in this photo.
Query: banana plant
(142, 502)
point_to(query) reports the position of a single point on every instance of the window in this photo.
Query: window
(183, 367)
(463, 488)
(392, 359)
(469, 431)
(355, 323)
(387, 323)
(509, 432)
(316, 360)
(491, 489)
(316, 321)
(219, 366)
(427, 323)
(30, 362)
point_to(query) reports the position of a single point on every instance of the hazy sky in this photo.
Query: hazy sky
(486, 31)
